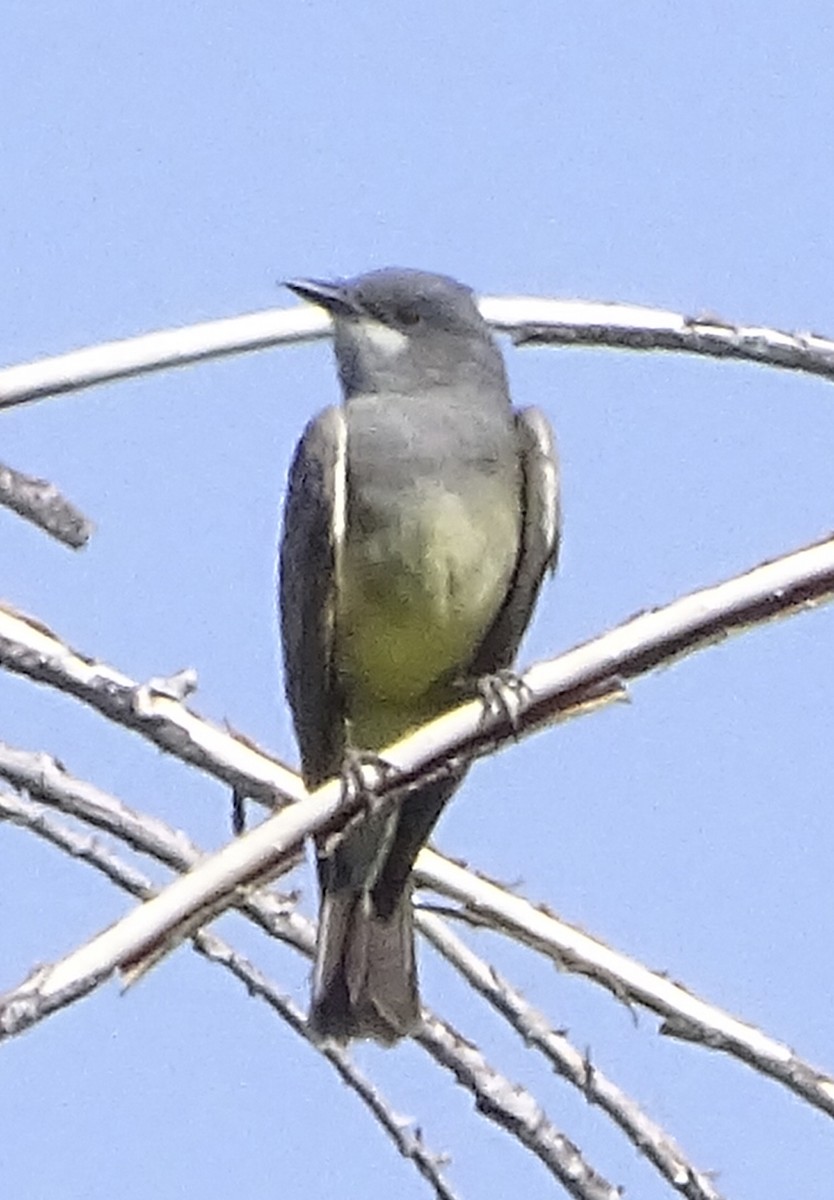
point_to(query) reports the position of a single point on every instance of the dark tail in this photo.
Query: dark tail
(365, 981)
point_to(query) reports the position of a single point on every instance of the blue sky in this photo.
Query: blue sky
(168, 164)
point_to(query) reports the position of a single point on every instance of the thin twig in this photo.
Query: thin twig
(405, 1135)
(487, 900)
(49, 782)
(513, 1109)
(685, 1015)
(655, 1143)
(46, 780)
(26, 814)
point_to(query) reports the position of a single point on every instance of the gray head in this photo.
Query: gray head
(397, 330)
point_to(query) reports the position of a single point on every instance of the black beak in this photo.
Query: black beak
(333, 297)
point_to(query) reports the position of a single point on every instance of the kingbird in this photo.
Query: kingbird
(421, 517)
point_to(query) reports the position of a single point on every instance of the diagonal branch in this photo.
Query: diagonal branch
(407, 1137)
(408, 1141)
(685, 1015)
(154, 710)
(25, 813)
(648, 1138)
(507, 1104)
(45, 780)
(798, 580)
(550, 691)
(514, 1109)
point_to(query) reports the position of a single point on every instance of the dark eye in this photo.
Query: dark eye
(407, 314)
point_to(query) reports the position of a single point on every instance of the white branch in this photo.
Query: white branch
(534, 1028)
(553, 689)
(49, 782)
(159, 351)
(539, 322)
(686, 1015)
(505, 1103)
(154, 709)
(408, 1140)
(45, 780)
(513, 1108)
(529, 319)
(798, 580)
(406, 1136)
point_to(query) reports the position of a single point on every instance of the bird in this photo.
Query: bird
(421, 517)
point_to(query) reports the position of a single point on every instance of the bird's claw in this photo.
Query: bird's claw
(354, 784)
(355, 790)
(504, 695)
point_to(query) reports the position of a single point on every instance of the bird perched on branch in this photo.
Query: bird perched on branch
(421, 517)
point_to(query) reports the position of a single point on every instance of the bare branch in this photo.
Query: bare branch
(538, 322)
(686, 1016)
(40, 502)
(46, 780)
(159, 351)
(531, 320)
(53, 987)
(408, 1141)
(507, 1104)
(25, 1005)
(25, 813)
(553, 690)
(503, 1102)
(494, 1095)
(652, 1141)
(514, 1109)
(41, 777)
(401, 1130)
(550, 691)
(28, 647)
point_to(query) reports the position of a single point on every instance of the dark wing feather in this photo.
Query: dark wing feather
(308, 578)
(540, 530)
(365, 982)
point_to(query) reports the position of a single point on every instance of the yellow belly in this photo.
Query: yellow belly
(414, 606)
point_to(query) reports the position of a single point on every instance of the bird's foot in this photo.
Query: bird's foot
(354, 781)
(504, 694)
(356, 790)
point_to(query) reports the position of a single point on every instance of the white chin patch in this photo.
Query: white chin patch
(385, 340)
